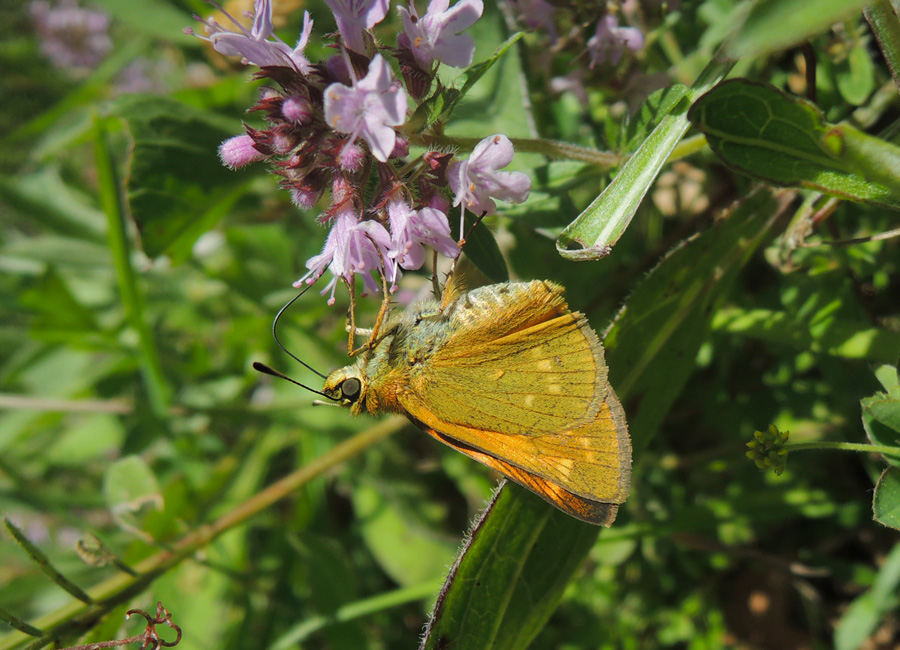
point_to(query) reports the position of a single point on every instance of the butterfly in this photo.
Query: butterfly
(509, 376)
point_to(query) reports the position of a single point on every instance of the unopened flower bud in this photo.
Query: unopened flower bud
(239, 151)
(296, 109)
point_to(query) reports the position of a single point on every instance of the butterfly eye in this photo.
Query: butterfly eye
(350, 389)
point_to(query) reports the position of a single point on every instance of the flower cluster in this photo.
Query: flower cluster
(339, 128)
(72, 37)
(767, 449)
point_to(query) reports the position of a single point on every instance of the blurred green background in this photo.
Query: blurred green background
(139, 282)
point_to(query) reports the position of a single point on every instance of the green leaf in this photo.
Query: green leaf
(596, 230)
(779, 24)
(761, 131)
(855, 75)
(881, 412)
(886, 27)
(652, 111)
(177, 187)
(510, 574)
(886, 502)
(481, 248)
(409, 553)
(864, 614)
(445, 100)
(129, 486)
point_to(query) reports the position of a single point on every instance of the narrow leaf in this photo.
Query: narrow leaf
(886, 27)
(18, 623)
(596, 230)
(44, 563)
(864, 614)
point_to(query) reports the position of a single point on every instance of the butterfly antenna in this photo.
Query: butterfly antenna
(286, 351)
(266, 370)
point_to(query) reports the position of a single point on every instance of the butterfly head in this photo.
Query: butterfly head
(347, 386)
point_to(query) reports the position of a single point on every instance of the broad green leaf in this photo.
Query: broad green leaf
(886, 502)
(763, 132)
(840, 338)
(596, 230)
(779, 24)
(511, 574)
(177, 187)
(864, 614)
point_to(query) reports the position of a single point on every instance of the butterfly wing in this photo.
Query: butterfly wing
(593, 511)
(520, 385)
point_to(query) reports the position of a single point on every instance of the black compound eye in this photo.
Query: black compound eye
(350, 389)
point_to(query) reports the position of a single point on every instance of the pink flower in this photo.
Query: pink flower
(352, 246)
(412, 228)
(437, 36)
(254, 46)
(476, 181)
(369, 108)
(610, 40)
(354, 17)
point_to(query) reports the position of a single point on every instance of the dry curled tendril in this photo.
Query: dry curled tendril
(149, 638)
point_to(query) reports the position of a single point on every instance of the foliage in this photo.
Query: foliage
(737, 246)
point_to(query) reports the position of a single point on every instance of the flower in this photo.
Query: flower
(353, 17)
(254, 46)
(412, 228)
(71, 37)
(609, 41)
(353, 246)
(476, 181)
(368, 109)
(437, 36)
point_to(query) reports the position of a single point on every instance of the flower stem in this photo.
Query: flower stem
(845, 446)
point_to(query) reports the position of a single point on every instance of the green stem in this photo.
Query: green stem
(845, 446)
(74, 618)
(113, 204)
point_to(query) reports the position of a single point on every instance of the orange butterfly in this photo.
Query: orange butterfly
(507, 375)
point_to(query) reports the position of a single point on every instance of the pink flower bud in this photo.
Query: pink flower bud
(296, 109)
(239, 151)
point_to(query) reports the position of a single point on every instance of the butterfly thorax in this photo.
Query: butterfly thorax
(380, 376)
